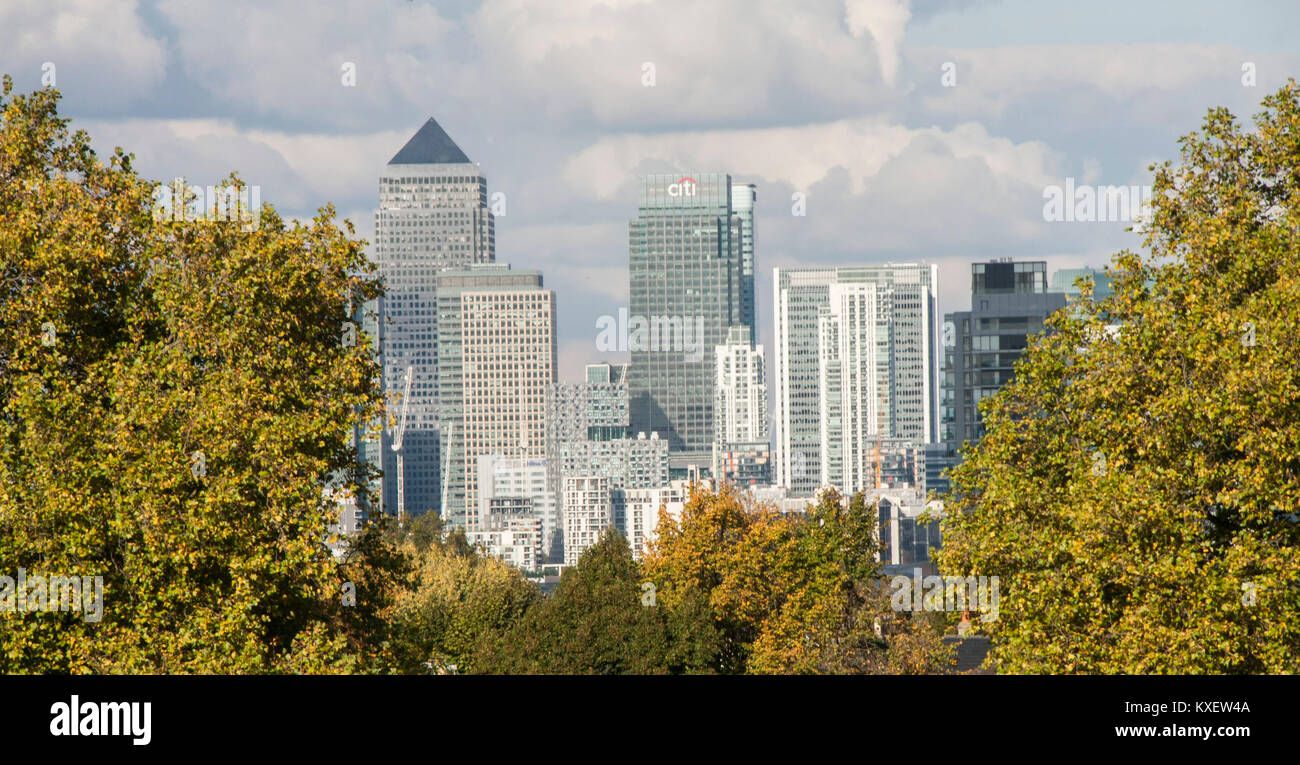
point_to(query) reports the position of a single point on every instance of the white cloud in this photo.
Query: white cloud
(102, 54)
(885, 21)
(282, 60)
(992, 81)
(800, 156)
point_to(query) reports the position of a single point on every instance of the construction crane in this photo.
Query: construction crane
(397, 447)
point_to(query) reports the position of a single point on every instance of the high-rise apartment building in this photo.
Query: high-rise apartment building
(496, 353)
(743, 198)
(741, 449)
(588, 503)
(433, 214)
(1009, 302)
(517, 514)
(588, 435)
(855, 362)
(687, 277)
(595, 410)
(740, 389)
(641, 508)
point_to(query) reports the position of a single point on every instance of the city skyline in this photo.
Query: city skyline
(894, 165)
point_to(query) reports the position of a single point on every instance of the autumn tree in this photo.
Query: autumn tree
(456, 601)
(603, 620)
(1138, 487)
(795, 593)
(175, 397)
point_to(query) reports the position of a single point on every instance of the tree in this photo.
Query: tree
(1138, 492)
(174, 400)
(602, 621)
(798, 593)
(456, 600)
(688, 560)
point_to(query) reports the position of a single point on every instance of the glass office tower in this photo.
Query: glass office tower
(687, 288)
(433, 214)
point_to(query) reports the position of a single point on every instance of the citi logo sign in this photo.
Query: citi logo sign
(682, 188)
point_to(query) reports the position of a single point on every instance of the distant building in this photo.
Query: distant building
(1063, 280)
(740, 389)
(593, 410)
(433, 214)
(780, 498)
(629, 463)
(743, 463)
(688, 248)
(907, 541)
(588, 435)
(496, 346)
(350, 519)
(1009, 302)
(641, 508)
(515, 539)
(939, 459)
(855, 361)
(588, 503)
(514, 498)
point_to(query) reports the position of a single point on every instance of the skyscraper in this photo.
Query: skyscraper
(743, 197)
(496, 343)
(433, 214)
(687, 288)
(742, 453)
(740, 403)
(1009, 301)
(855, 362)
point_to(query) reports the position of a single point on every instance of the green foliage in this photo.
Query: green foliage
(128, 346)
(1138, 494)
(456, 601)
(601, 621)
(789, 594)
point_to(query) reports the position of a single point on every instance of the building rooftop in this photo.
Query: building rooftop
(430, 146)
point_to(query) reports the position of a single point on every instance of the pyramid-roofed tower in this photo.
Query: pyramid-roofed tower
(430, 146)
(433, 215)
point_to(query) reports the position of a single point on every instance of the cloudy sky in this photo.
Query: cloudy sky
(844, 101)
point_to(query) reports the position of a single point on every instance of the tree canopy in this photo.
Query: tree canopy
(174, 399)
(1138, 490)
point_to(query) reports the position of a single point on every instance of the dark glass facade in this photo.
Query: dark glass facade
(687, 287)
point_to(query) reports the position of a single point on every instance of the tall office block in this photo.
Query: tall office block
(743, 198)
(1009, 301)
(496, 346)
(433, 214)
(855, 361)
(687, 288)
